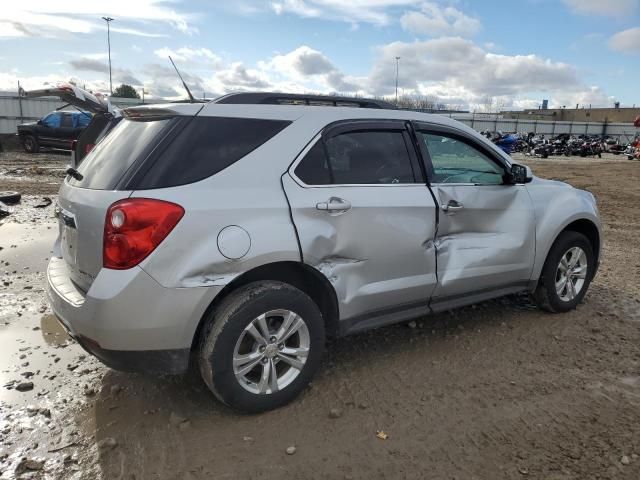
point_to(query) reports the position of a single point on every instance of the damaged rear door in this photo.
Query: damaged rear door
(485, 240)
(366, 219)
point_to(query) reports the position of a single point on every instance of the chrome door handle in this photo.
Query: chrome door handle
(452, 207)
(334, 205)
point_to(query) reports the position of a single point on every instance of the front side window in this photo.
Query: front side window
(360, 157)
(52, 120)
(455, 161)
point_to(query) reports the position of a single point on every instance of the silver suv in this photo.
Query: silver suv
(243, 232)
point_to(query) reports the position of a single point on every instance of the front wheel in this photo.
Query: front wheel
(566, 274)
(30, 144)
(261, 346)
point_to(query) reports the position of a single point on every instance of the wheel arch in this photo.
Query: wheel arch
(586, 226)
(589, 229)
(297, 274)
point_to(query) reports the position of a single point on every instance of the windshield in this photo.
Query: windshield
(107, 163)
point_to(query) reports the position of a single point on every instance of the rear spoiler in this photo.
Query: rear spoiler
(148, 113)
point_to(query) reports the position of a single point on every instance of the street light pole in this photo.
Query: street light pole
(397, 68)
(109, 20)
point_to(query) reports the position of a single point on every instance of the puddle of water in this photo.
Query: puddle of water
(33, 244)
(35, 348)
(52, 331)
(26, 357)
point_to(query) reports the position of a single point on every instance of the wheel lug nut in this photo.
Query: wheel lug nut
(281, 346)
(273, 339)
(265, 360)
(262, 348)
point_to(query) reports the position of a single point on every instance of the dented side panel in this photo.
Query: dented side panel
(377, 254)
(489, 243)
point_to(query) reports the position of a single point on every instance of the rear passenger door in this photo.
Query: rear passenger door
(365, 219)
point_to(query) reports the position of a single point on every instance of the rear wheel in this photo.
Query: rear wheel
(566, 274)
(30, 144)
(261, 346)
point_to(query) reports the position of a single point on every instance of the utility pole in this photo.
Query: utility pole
(397, 69)
(109, 20)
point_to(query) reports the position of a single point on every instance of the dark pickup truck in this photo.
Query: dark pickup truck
(56, 130)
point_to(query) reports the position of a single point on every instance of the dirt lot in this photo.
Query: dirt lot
(495, 391)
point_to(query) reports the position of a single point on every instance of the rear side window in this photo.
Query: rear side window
(359, 157)
(107, 163)
(206, 146)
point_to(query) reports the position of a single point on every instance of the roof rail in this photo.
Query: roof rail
(271, 98)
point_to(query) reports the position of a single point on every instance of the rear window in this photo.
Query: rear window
(206, 146)
(107, 163)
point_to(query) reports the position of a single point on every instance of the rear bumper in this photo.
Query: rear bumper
(128, 320)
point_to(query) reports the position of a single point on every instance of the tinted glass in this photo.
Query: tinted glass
(314, 168)
(52, 120)
(111, 158)
(206, 146)
(370, 157)
(67, 120)
(455, 161)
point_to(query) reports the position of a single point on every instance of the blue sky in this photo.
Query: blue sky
(480, 55)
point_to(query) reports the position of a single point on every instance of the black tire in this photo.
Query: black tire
(545, 294)
(30, 144)
(225, 326)
(10, 197)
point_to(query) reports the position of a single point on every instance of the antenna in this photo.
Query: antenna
(191, 99)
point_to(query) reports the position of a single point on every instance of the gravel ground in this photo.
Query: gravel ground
(499, 390)
(34, 174)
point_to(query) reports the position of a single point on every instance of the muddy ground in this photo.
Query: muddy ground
(500, 390)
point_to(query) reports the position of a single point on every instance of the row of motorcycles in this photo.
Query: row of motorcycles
(563, 144)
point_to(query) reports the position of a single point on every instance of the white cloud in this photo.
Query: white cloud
(434, 20)
(584, 96)
(189, 55)
(308, 67)
(450, 70)
(462, 63)
(627, 41)
(611, 8)
(376, 12)
(44, 18)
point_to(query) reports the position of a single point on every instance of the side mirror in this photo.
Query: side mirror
(520, 173)
(40, 122)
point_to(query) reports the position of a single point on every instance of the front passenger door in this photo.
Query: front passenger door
(486, 233)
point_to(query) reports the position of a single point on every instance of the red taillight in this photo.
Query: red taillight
(88, 147)
(133, 229)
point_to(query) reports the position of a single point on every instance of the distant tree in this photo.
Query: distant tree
(125, 91)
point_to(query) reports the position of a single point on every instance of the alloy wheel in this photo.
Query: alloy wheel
(571, 274)
(271, 352)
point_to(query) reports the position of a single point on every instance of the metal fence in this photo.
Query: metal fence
(15, 110)
(495, 123)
